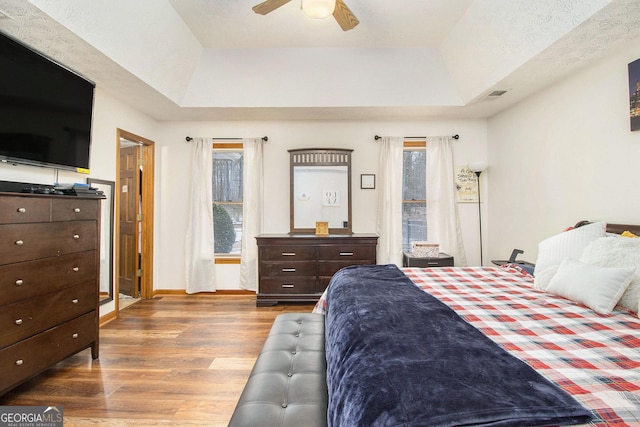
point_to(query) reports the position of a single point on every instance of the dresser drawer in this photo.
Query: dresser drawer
(347, 252)
(287, 253)
(329, 268)
(26, 318)
(24, 209)
(24, 280)
(24, 242)
(27, 358)
(290, 268)
(288, 285)
(74, 210)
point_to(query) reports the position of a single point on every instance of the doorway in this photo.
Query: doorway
(134, 244)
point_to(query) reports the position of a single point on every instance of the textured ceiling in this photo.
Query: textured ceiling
(382, 24)
(156, 54)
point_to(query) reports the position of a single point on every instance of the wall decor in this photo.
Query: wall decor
(466, 185)
(106, 237)
(322, 228)
(634, 95)
(367, 181)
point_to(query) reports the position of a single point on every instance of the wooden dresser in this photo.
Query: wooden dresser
(49, 250)
(298, 268)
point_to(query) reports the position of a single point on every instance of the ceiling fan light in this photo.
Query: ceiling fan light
(318, 9)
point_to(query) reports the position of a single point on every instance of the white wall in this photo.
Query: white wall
(173, 165)
(564, 155)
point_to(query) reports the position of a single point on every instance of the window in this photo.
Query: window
(227, 198)
(414, 195)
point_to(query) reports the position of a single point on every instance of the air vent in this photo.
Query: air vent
(497, 93)
(492, 96)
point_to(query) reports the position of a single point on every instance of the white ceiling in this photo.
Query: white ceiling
(417, 23)
(415, 59)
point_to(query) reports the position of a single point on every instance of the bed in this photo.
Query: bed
(584, 350)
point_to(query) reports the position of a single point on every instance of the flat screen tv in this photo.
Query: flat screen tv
(45, 110)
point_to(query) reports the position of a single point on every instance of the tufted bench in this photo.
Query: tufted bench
(287, 386)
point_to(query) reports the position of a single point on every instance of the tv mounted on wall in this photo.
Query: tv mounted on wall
(45, 110)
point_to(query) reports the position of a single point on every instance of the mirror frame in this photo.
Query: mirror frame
(106, 226)
(319, 157)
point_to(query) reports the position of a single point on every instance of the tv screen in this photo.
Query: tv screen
(45, 110)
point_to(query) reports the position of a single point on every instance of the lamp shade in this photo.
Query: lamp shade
(477, 166)
(318, 9)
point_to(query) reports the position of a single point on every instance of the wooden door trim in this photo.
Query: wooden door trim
(148, 185)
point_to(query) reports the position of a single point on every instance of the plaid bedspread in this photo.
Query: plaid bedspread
(593, 357)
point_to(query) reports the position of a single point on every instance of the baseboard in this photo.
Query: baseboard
(159, 292)
(107, 318)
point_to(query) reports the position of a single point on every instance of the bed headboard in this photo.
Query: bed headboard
(619, 228)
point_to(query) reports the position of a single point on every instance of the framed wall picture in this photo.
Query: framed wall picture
(367, 181)
(634, 95)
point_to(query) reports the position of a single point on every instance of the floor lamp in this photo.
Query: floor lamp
(478, 168)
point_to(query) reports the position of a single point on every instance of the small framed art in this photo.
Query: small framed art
(634, 95)
(367, 181)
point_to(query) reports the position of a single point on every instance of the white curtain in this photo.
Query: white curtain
(390, 201)
(252, 211)
(199, 250)
(443, 222)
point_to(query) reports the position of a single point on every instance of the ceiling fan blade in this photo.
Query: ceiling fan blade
(346, 19)
(269, 6)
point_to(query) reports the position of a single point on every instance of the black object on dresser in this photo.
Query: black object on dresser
(444, 260)
(49, 262)
(298, 267)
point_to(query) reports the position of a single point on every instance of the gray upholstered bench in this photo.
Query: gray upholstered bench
(287, 386)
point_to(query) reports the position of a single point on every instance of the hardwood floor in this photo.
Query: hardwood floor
(171, 360)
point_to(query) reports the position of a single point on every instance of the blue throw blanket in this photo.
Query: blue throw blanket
(398, 356)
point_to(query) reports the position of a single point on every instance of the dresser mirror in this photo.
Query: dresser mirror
(320, 190)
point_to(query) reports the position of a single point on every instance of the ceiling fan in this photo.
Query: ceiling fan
(345, 18)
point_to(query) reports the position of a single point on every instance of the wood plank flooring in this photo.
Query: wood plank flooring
(168, 361)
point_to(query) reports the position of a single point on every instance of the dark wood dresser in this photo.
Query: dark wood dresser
(298, 268)
(49, 250)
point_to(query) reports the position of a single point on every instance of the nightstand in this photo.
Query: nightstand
(444, 260)
(518, 261)
(512, 260)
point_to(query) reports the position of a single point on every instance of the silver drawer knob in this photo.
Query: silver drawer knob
(18, 322)
(76, 269)
(75, 300)
(76, 236)
(19, 362)
(22, 210)
(19, 242)
(76, 210)
(19, 282)
(75, 335)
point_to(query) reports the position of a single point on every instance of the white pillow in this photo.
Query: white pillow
(568, 244)
(599, 288)
(618, 252)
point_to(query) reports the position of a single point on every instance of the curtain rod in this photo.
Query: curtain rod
(264, 138)
(377, 137)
